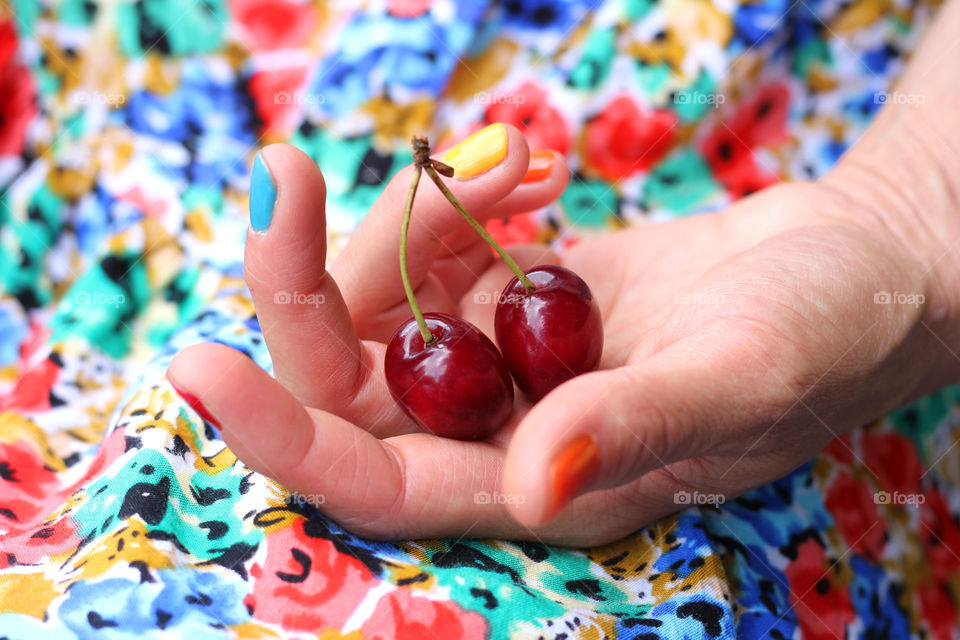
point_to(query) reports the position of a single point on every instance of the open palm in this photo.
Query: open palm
(736, 346)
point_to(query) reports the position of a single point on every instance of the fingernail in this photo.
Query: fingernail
(481, 151)
(263, 194)
(540, 164)
(572, 469)
(195, 404)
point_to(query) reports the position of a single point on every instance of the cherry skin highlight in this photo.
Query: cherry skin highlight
(458, 386)
(551, 334)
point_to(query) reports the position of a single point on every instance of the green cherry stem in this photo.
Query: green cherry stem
(404, 275)
(521, 276)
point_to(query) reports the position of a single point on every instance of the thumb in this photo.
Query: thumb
(607, 428)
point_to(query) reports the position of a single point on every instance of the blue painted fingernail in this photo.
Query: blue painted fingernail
(263, 194)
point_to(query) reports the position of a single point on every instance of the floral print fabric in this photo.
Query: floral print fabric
(126, 135)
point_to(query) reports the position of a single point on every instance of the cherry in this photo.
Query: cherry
(457, 385)
(442, 370)
(550, 334)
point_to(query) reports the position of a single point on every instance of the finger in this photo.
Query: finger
(546, 177)
(489, 165)
(408, 487)
(607, 428)
(315, 349)
(266, 427)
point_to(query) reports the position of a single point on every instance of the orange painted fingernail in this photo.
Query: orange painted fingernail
(572, 469)
(540, 164)
(481, 151)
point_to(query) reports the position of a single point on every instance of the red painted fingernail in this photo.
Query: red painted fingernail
(572, 469)
(540, 164)
(195, 404)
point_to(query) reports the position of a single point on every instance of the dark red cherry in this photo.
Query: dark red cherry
(552, 334)
(458, 386)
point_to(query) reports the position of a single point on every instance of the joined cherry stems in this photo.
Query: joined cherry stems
(434, 169)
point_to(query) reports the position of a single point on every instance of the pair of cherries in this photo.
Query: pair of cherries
(450, 378)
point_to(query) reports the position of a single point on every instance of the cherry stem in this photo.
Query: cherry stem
(404, 275)
(521, 276)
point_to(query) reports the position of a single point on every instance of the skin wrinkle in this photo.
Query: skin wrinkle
(296, 464)
(912, 233)
(847, 286)
(363, 405)
(372, 527)
(744, 328)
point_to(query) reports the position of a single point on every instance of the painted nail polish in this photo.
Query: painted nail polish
(576, 465)
(263, 195)
(483, 150)
(541, 162)
(196, 405)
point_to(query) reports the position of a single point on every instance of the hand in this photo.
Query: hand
(736, 346)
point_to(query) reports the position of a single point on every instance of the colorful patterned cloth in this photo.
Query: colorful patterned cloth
(127, 130)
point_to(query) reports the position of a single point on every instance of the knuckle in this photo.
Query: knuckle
(657, 431)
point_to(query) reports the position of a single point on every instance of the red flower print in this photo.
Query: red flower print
(402, 615)
(32, 391)
(857, 514)
(733, 163)
(268, 25)
(940, 535)
(840, 449)
(305, 584)
(518, 229)
(623, 140)
(39, 542)
(152, 207)
(18, 106)
(408, 8)
(275, 98)
(25, 483)
(894, 460)
(112, 447)
(528, 110)
(35, 341)
(762, 120)
(938, 612)
(29, 493)
(729, 149)
(8, 42)
(822, 607)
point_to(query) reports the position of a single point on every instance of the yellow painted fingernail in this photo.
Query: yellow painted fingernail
(481, 151)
